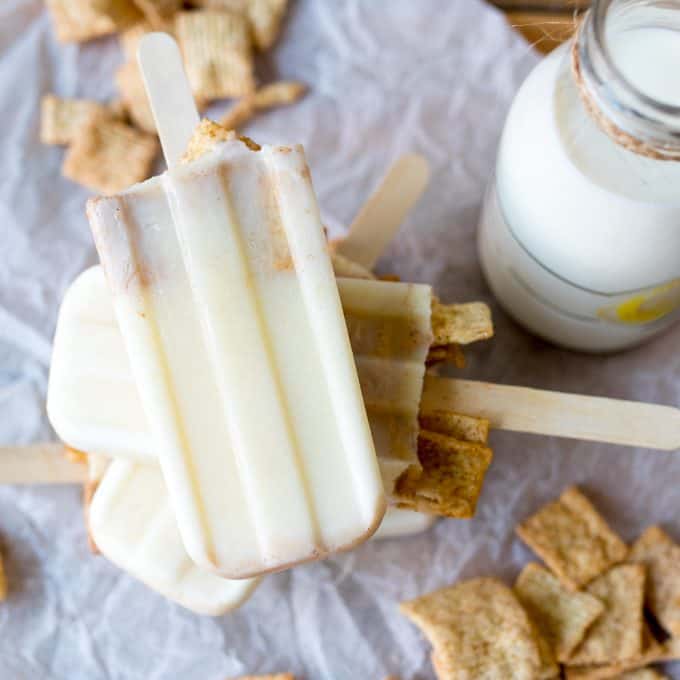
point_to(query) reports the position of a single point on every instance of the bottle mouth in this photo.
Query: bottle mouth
(644, 117)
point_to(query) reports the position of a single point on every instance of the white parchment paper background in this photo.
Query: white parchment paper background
(434, 76)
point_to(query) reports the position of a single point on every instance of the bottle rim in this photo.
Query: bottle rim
(654, 122)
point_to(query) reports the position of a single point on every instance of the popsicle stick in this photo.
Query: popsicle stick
(522, 409)
(378, 220)
(39, 464)
(170, 96)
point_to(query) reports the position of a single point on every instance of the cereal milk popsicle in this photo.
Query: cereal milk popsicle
(225, 296)
(132, 522)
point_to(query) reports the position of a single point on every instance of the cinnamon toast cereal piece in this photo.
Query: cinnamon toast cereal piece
(62, 120)
(109, 156)
(279, 93)
(130, 37)
(206, 135)
(82, 20)
(460, 323)
(617, 634)
(572, 539)
(456, 425)
(446, 354)
(548, 668)
(217, 52)
(642, 674)
(478, 629)
(661, 555)
(266, 17)
(238, 114)
(117, 109)
(268, 96)
(455, 356)
(450, 479)
(133, 95)
(238, 6)
(157, 12)
(562, 616)
(436, 355)
(654, 653)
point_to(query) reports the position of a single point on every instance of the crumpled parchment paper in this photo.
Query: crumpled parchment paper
(386, 77)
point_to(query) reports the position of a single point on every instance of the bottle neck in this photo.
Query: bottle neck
(612, 56)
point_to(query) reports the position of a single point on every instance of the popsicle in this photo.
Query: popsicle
(129, 518)
(133, 524)
(93, 403)
(225, 297)
(92, 400)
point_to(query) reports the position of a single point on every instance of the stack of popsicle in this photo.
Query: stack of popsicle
(389, 326)
(242, 393)
(390, 331)
(243, 411)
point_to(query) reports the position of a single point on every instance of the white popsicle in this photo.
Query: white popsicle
(92, 400)
(226, 299)
(133, 525)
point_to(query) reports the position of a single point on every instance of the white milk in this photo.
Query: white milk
(580, 238)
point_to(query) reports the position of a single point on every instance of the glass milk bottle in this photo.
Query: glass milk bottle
(579, 236)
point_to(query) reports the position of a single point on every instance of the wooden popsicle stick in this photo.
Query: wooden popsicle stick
(522, 409)
(380, 217)
(39, 464)
(167, 87)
